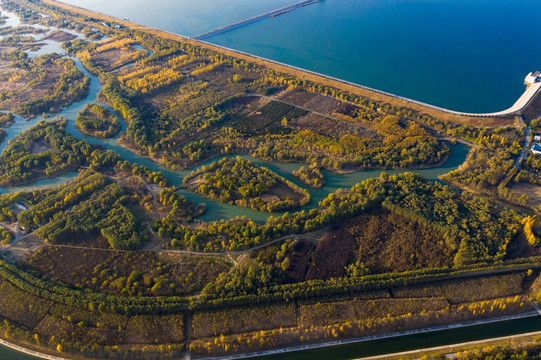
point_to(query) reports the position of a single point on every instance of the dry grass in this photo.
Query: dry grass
(231, 321)
(534, 108)
(60, 36)
(296, 73)
(533, 191)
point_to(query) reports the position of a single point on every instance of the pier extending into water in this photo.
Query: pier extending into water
(254, 19)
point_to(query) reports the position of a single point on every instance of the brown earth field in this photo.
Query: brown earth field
(109, 271)
(383, 242)
(114, 58)
(60, 36)
(534, 108)
(533, 191)
(299, 74)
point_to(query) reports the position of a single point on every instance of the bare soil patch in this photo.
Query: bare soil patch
(114, 58)
(533, 192)
(297, 97)
(313, 122)
(60, 36)
(23, 248)
(39, 147)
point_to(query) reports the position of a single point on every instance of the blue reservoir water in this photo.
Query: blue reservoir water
(458, 54)
(186, 17)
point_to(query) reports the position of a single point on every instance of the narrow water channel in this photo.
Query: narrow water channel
(413, 342)
(215, 209)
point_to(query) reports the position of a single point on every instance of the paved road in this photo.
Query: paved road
(520, 104)
(526, 144)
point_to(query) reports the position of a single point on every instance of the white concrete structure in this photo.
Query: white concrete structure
(533, 77)
(537, 138)
(536, 149)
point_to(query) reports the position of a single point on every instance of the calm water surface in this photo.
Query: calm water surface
(459, 54)
(413, 342)
(186, 17)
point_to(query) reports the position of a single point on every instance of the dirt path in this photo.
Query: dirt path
(308, 236)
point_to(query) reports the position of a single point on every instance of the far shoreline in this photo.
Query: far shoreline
(480, 119)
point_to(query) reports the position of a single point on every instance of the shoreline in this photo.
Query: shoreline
(291, 349)
(383, 336)
(452, 347)
(30, 352)
(304, 74)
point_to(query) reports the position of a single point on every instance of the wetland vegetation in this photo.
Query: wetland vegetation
(97, 121)
(117, 262)
(240, 182)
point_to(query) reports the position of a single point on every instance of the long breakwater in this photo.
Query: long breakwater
(254, 19)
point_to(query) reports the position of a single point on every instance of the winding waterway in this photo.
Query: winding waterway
(217, 210)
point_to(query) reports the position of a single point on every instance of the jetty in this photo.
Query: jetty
(253, 19)
(524, 100)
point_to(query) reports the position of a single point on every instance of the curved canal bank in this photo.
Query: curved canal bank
(384, 345)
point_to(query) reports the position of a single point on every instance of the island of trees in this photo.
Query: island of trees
(311, 176)
(241, 182)
(97, 121)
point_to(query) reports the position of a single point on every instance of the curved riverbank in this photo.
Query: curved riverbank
(34, 354)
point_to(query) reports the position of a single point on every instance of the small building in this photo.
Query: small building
(533, 77)
(21, 206)
(537, 138)
(536, 149)
(106, 24)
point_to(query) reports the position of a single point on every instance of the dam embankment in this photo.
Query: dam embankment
(253, 19)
